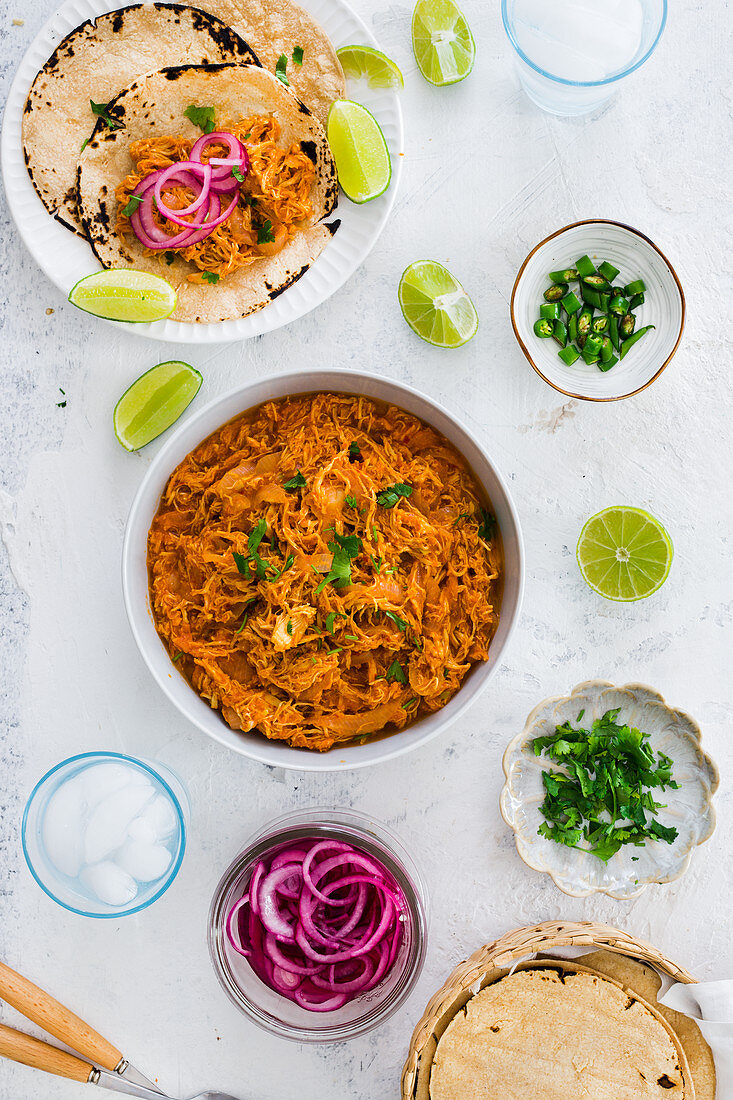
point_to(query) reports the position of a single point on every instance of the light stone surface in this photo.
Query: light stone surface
(486, 176)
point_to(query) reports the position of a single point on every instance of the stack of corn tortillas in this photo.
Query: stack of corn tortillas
(561, 1031)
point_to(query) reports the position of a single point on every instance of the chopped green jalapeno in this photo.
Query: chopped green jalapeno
(620, 290)
(598, 282)
(632, 339)
(605, 300)
(608, 364)
(590, 359)
(585, 320)
(608, 271)
(619, 305)
(569, 355)
(636, 301)
(590, 296)
(606, 349)
(555, 292)
(585, 267)
(560, 333)
(626, 325)
(550, 311)
(568, 275)
(613, 331)
(600, 323)
(637, 287)
(593, 344)
(572, 328)
(571, 303)
(543, 328)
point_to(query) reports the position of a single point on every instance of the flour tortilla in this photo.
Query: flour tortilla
(276, 27)
(558, 1033)
(94, 62)
(154, 106)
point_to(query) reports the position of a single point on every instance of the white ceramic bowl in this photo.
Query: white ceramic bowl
(689, 809)
(135, 572)
(636, 257)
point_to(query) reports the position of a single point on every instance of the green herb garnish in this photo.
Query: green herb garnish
(602, 799)
(203, 117)
(281, 69)
(354, 452)
(265, 233)
(344, 549)
(350, 500)
(237, 174)
(210, 277)
(395, 673)
(389, 497)
(84, 144)
(294, 483)
(399, 623)
(101, 110)
(132, 205)
(298, 55)
(487, 525)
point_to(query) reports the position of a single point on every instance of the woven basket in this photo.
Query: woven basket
(492, 962)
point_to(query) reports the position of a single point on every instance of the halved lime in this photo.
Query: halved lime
(624, 553)
(123, 295)
(380, 70)
(436, 306)
(360, 151)
(442, 41)
(153, 402)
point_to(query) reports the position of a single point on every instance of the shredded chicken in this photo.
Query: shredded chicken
(275, 197)
(240, 567)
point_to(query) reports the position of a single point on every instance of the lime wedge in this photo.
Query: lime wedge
(124, 295)
(360, 151)
(624, 553)
(364, 61)
(153, 402)
(436, 306)
(442, 41)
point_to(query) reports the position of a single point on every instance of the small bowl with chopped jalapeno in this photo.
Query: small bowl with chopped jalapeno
(608, 790)
(598, 310)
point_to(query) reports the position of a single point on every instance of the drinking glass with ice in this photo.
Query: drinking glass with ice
(104, 834)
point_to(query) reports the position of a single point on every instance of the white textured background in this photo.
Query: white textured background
(486, 177)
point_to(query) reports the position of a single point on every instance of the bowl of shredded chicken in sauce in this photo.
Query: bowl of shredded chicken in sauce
(321, 570)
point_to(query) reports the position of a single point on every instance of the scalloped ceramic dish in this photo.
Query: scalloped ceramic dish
(689, 809)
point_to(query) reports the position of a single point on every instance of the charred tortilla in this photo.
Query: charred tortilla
(94, 62)
(154, 106)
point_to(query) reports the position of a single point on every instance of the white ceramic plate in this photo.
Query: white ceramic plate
(689, 809)
(636, 257)
(135, 571)
(66, 258)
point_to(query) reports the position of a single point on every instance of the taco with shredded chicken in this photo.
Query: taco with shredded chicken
(213, 176)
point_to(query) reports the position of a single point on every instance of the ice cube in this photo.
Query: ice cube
(144, 862)
(101, 780)
(108, 824)
(109, 883)
(63, 829)
(161, 816)
(142, 830)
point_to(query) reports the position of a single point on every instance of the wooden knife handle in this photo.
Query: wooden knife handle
(40, 1007)
(32, 1052)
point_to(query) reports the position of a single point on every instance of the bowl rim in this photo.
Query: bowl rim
(302, 382)
(525, 349)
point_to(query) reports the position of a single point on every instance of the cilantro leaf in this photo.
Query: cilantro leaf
(389, 497)
(265, 233)
(210, 277)
(280, 69)
(203, 117)
(395, 673)
(100, 109)
(298, 55)
(237, 174)
(344, 549)
(294, 483)
(242, 563)
(487, 526)
(350, 500)
(399, 623)
(132, 205)
(355, 454)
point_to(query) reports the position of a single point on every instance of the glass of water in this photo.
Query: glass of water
(572, 55)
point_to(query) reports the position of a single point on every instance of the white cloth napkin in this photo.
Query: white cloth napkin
(710, 1004)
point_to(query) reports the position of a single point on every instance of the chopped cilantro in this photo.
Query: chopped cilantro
(344, 549)
(237, 174)
(409, 703)
(602, 798)
(132, 205)
(84, 144)
(101, 110)
(396, 673)
(294, 483)
(177, 656)
(377, 562)
(203, 117)
(389, 497)
(399, 623)
(265, 233)
(242, 561)
(244, 623)
(210, 277)
(487, 525)
(281, 69)
(355, 454)
(298, 55)
(351, 500)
